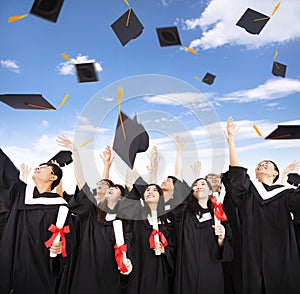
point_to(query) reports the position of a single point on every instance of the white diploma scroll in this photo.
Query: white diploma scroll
(119, 236)
(154, 223)
(60, 221)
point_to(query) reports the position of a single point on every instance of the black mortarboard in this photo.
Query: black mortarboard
(293, 179)
(252, 21)
(208, 78)
(47, 9)
(130, 139)
(285, 132)
(86, 72)
(63, 158)
(127, 27)
(26, 101)
(278, 69)
(168, 36)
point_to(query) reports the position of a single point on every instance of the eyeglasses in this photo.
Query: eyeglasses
(46, 165)
(103, 183)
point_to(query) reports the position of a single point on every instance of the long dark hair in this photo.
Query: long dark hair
(193, 206)
(161, 214)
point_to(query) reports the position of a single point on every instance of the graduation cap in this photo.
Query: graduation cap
(208, 78)
(168, 36)
(285, 132)
(127, 27)
(86, 72)
(63, 158)
(130, 138)
(47, 9)
(293, 179)
(253, 21)
(26, 101)
(278, 69)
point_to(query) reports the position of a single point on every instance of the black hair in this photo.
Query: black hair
(194, 206)
(57, 171)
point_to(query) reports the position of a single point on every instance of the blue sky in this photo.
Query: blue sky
(244, 88)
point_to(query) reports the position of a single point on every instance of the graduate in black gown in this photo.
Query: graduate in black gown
(201, 245)
(93, 267)
(232, 269)
(269, 248)
(153, 255)
(26, 266)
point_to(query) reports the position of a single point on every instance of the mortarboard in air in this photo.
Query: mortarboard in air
(208, 78)
(278, 69)
(47, 9)
(63, 158)
(86, 72)
(252, 21)
(293, 179)
(130, 138)
(285, 132)
(168, 36)
(127, 27)
(26, 101)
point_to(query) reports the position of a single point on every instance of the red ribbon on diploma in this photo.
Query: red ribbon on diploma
(218, 209)
(55, 230)
(161, 237)
(119, 257)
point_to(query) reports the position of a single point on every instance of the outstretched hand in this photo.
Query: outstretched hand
(63, 141)
(231, 129)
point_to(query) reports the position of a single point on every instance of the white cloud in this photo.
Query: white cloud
(218, 24)
(67, 68)
(272, 89)
(11, 65)
(177, 98)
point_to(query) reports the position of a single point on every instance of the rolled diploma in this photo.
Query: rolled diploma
(217, 222)
(155, 227)
(118, 229)
(60, 221)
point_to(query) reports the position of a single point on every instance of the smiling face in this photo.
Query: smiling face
(265, 169)
(215, 181)
(167, 185)
(102, 187)
(113, 193)
(151, 194)
(201, 190)
(43, 174)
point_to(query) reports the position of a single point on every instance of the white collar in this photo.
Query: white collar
(264, 194)
(29, 200)
(110, 216)
(205, 217)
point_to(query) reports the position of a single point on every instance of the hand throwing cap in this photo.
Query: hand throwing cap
(63, 158)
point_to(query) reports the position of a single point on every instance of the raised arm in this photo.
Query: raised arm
(68, 144)
(180, 144)
(231, 131)
(153, 165)
(107, 159)
(292, 167)
(196, 168)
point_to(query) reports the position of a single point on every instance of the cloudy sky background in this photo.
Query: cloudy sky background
(244, 88)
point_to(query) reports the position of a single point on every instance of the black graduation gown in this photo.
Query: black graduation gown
(199, 257)
(232, 269)
(9, 174)
(26, 266)
(152, 274)
(269, 247)
(93, 267)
